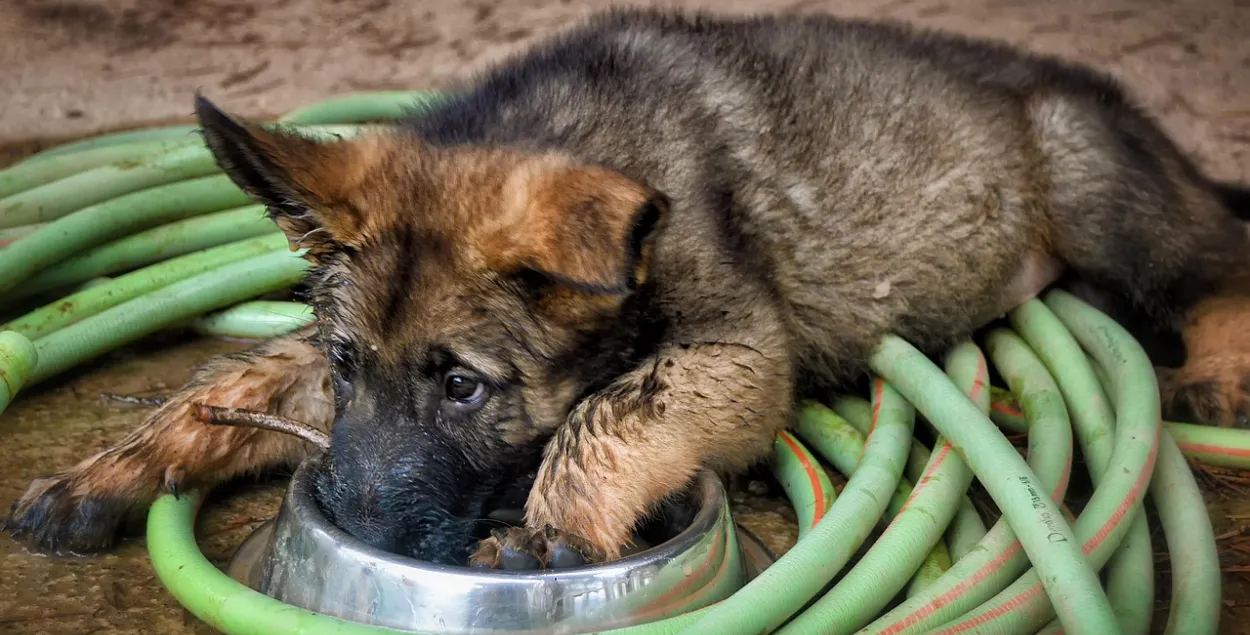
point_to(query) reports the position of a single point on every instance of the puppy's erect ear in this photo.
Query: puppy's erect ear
(590, 228)
(304, 182)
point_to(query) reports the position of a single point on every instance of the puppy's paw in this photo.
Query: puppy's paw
(525, 549)
(1213, 386)
(71, 512)
(85, 508)
(1210, 391)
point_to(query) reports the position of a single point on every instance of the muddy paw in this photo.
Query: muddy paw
(85, 508)
(62, 514)
(523, 549)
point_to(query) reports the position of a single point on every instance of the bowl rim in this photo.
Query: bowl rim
(299, 501)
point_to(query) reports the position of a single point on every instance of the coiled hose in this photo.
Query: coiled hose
(70, 215)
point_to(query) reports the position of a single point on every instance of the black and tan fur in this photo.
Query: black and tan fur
(643, 238)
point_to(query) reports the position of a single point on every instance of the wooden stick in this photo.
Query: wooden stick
(216, 415)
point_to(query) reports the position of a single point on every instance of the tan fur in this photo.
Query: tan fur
(1213, 385)
(576, 225)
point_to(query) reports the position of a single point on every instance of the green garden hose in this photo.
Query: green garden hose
(258, 320)
(53, 200)
(1222, 447)
(213, 596)
(12, 234)
(997, 559)
(1034, 518)
(110, 182)
(858, 413)
(1182, 512)
(967, 528)
(17, 360)
(146, 247)
(796, 469)
(98, 297)
(967, 368)
(113, 218)
(1105, 519)
(147, 314)
(902, 548)
(935, 565)
(764, 603)
(30, 174)
(842, 445)
(157, 134)
(354, 108)
(1225, 447)
(1130, 575)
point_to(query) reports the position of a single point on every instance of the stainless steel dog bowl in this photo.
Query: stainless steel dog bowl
(304, 560)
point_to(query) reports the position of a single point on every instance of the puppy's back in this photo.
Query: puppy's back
(870, 177)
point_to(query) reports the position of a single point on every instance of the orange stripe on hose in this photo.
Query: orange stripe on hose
(878, 387)
(979, 382)
(1128, 501)
(996, 612)
(928, 475)
(953, 592)
(1213, 449)
(1006, 409)
(812, 475)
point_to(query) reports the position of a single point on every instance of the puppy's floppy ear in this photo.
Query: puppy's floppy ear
(591, 229)
(305, 183)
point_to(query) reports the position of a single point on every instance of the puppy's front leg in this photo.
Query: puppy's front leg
(624, 450)
(82, 508)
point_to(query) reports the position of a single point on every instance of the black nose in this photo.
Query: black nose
(395, 514)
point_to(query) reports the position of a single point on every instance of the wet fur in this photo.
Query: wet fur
(649, 234)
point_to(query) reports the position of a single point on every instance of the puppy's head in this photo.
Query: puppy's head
(467, 297)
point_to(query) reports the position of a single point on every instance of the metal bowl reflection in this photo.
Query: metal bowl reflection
(304, 560)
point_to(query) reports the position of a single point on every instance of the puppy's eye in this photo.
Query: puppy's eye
(464, 390)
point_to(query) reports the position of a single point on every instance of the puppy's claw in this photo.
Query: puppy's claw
(564, 555)
(527, 549)
(173, 479)
(518, 560)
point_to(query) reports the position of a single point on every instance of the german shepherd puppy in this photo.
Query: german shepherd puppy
(616, 259)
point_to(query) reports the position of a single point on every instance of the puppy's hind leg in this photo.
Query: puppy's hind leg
(1134, 217)
(82, 508)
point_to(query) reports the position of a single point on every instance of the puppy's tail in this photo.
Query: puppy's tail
(1236, 198)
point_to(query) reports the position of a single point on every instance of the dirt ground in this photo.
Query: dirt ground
(70, 68)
